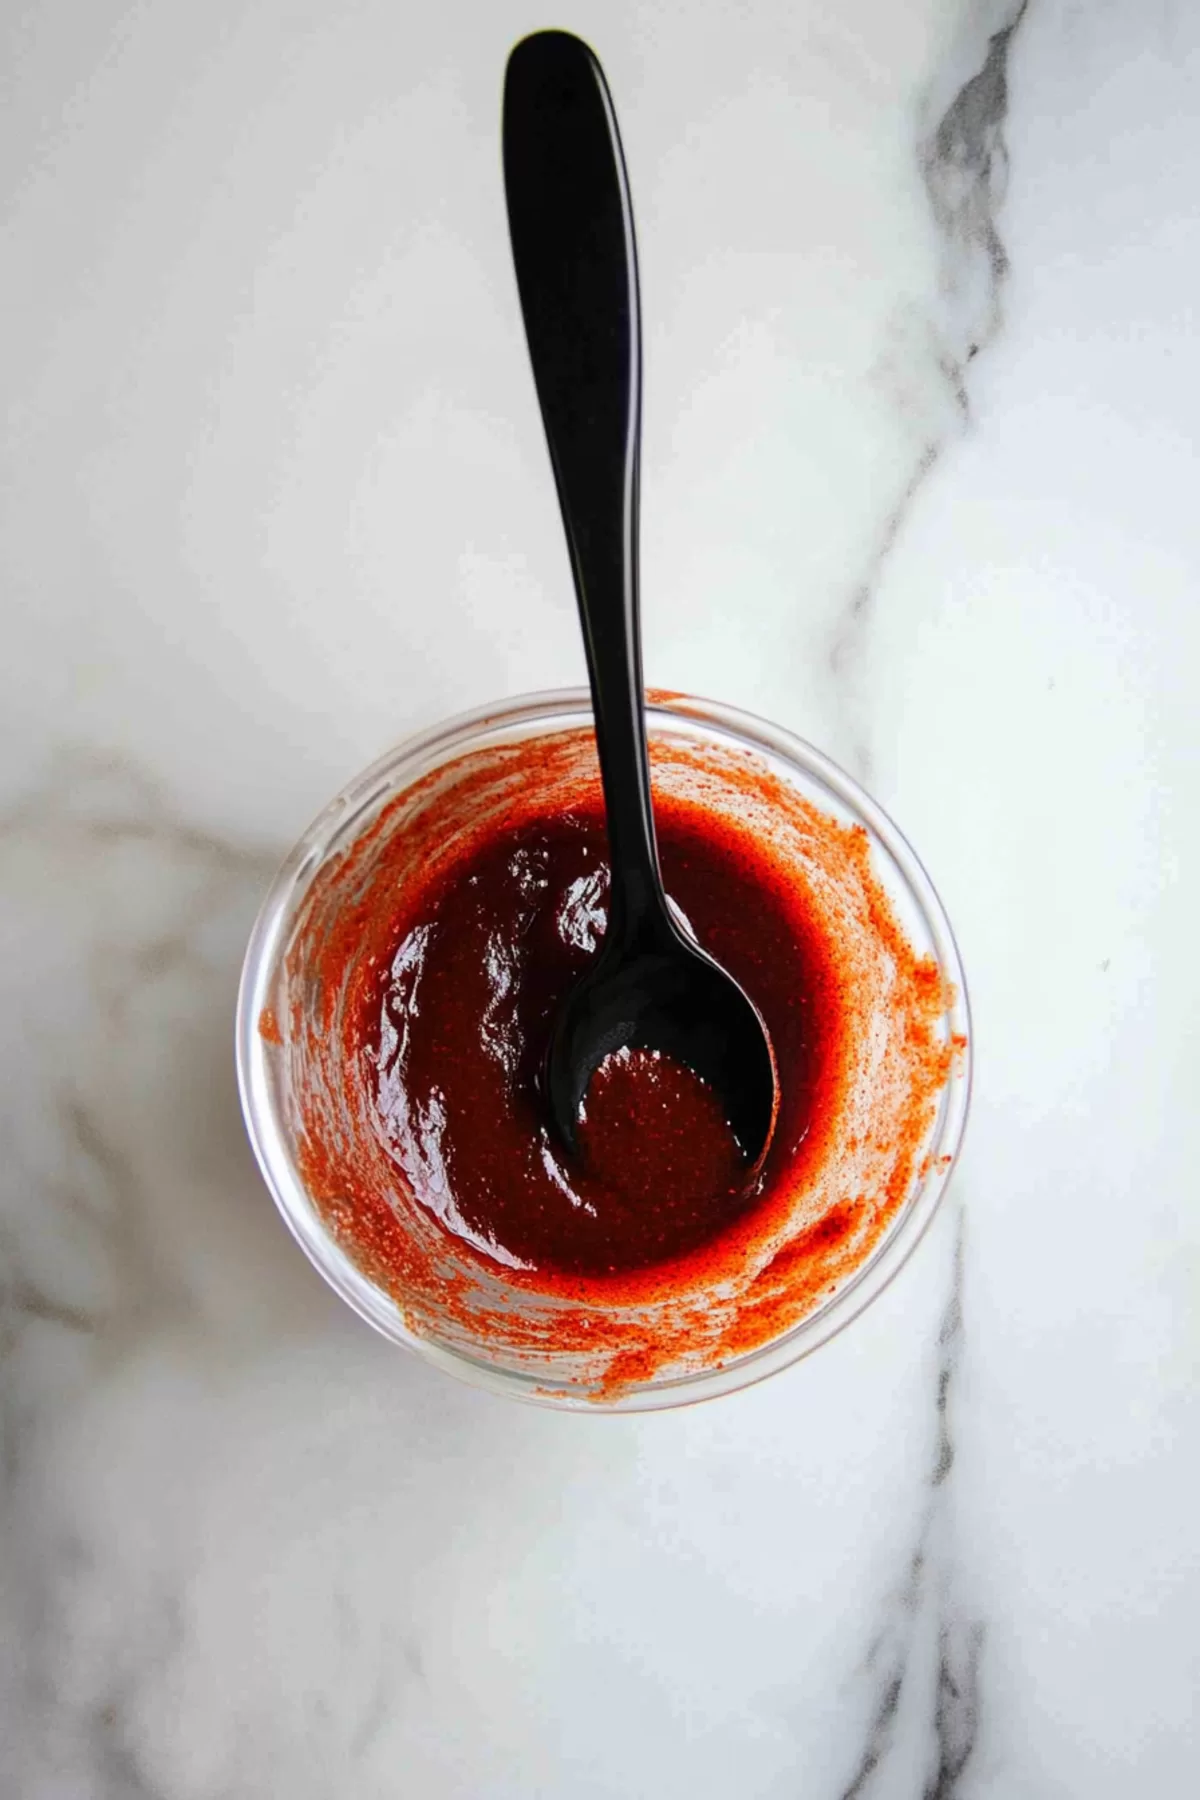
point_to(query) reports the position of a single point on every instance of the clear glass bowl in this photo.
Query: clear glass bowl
(270, 1113)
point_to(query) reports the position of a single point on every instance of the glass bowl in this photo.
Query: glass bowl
(271, 1113)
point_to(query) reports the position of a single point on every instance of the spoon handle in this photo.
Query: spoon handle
(571, 225)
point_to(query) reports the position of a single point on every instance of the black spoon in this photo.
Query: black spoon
(571, 224)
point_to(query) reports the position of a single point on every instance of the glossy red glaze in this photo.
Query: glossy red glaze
(457, 1027)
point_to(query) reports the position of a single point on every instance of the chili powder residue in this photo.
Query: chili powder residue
(423, 968)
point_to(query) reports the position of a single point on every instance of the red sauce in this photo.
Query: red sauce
(417, 989)
(457, 1023)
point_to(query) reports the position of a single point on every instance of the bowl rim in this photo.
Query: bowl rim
(389, 775)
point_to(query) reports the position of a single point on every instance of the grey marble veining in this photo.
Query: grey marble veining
(930, 1646)
(963, 160)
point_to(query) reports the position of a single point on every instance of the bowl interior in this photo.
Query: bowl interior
(267, 1077)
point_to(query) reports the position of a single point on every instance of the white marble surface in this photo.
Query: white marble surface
(274, 495)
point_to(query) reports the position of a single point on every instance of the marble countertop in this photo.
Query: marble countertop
(919, 285)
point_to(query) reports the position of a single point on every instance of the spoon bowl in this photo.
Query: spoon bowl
(667, 995)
